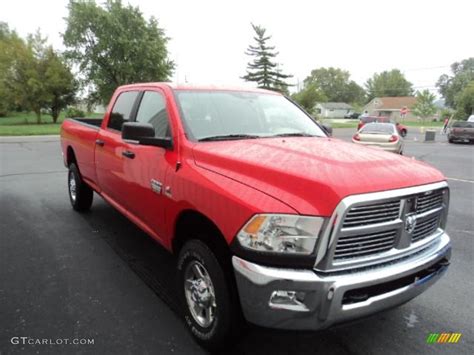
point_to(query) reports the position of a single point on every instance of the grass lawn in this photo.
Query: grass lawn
(421, 124)
(29, 129)
(24, 124)
(354, 123)
(350, 124)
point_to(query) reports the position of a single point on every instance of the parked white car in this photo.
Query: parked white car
(471, 118)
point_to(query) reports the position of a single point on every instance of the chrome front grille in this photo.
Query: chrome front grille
(425, 228)
(364, 244)
(376, 227)
(429, 202)
(372, 213)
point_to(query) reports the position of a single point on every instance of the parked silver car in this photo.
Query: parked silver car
(381, 135)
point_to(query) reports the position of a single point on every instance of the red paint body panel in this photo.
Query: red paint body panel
(82, 138)
(229, 181)
(312, 175)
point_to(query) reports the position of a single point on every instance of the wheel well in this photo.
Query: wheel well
(194, 225)
(70, 157)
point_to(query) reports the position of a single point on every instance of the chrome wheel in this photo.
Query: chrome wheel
(72, 186)
(200, 295)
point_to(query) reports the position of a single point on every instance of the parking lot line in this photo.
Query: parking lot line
(462, 180)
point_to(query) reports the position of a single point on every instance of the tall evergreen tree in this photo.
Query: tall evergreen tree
(262, 69)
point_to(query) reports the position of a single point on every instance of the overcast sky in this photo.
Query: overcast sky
(208, 38)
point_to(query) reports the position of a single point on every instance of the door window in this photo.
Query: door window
(122, 110)
(153, 110)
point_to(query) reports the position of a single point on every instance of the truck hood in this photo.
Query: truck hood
(310, 174)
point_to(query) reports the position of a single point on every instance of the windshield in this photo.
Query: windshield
(379, 128)
(240, 115)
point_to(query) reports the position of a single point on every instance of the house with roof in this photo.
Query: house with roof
(332, 109)
(391, 107)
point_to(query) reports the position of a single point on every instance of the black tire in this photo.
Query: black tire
(403, 133)
(80, 194)
(225, 324)
(450, 140)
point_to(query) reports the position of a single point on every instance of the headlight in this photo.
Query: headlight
(289, 234)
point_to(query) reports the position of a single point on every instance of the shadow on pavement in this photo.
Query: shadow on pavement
(156, 267)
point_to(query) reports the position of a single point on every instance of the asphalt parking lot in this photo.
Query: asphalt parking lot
(97, 276)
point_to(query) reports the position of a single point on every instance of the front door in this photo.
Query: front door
(146, 167)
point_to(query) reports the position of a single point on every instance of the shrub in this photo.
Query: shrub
(72, 112)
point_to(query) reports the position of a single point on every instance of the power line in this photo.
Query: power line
(427, 68)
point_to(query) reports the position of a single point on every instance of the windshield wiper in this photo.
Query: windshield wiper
(228, 137)
(294, 134)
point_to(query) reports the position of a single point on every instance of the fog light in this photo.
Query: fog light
(330, 293)
(289, 300)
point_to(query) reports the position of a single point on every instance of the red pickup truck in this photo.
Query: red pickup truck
(272, 221)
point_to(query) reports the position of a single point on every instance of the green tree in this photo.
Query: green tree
(10, 47)
(388, 83)
(33, 76)
(424, 106)
(450, 86)
(335, 85)
(465, 102)
(308, 97)
(59, 83)
(114, 45)
(262, 69)
(26, 77)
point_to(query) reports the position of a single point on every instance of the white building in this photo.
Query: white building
(332, 109)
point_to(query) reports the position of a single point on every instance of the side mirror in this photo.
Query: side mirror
(327, 129)
(144, 134)
(136, 130)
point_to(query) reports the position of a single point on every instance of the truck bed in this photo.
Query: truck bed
(80, 135)
(88, 121)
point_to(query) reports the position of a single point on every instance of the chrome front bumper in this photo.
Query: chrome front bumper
(321, 300)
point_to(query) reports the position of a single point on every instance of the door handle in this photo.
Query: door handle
(128, 154)
(99, 142)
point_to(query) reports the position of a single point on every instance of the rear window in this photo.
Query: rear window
(376, 119)
(378, 128)
(463, 125)
(122, 110)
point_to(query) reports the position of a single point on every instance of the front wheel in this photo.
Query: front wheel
(206, 296)
(80, 194)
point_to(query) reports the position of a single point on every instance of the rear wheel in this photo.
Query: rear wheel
(403, 133)
(80, 194)
(206, 296)
(450, 140)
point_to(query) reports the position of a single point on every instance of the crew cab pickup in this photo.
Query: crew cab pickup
(272, 221)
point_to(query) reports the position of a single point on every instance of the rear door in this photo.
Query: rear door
(110, 148)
